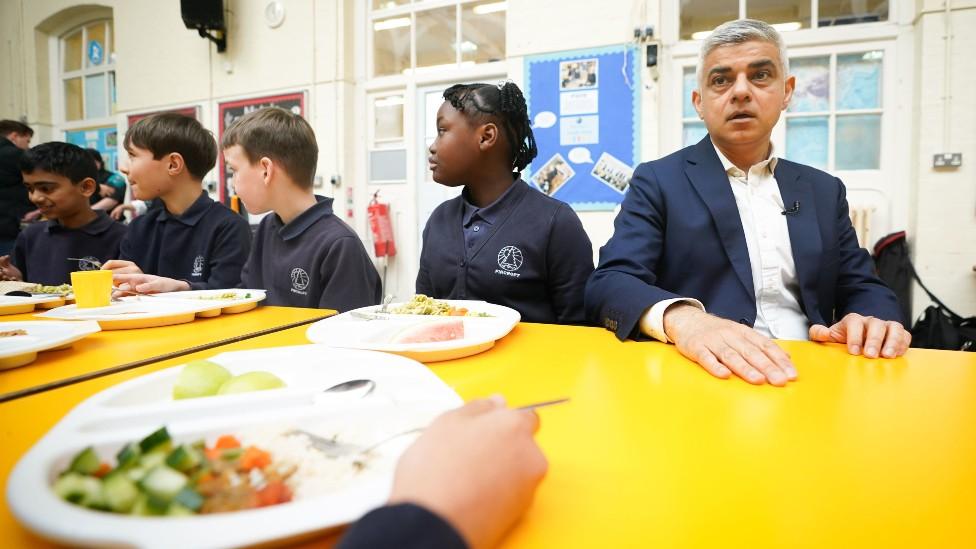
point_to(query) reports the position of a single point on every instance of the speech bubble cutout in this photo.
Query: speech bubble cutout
(545, 119)
(580, 155)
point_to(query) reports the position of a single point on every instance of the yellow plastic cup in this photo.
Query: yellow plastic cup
(92, 288)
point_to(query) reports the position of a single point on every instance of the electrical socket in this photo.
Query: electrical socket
(947, 160)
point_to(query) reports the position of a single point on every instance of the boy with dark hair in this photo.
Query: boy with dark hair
(15, 138)
(303, 255)
(192, 241)
(60, 179)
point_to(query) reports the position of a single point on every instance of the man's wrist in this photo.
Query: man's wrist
(676, 316)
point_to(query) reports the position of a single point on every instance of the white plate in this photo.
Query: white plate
(10, 304)
(407, 396)
(137, 312)
(41, 336)
(350, 331)
(234, 305)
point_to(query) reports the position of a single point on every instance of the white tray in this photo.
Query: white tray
(41, 336)
(138, 312)
(11, 305)
(238, 304)
(351, 331)
(407, 396)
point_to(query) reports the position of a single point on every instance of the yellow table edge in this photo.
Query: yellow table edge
(13, 395)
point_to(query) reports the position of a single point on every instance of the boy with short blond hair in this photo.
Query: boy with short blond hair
(303, 255)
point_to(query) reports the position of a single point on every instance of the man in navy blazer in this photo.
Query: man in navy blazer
(764, 245)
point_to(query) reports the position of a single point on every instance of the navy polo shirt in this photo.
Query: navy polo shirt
(206, 246)
(314, 261)
(526, 251)
(42, 249)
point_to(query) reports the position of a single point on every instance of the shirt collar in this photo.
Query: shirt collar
(489, 213)
(193, 214)
(322, 208)
(768, 165)
(99, 225)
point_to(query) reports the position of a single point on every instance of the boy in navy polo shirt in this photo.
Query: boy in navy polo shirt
(191, 242)
(60, 179)
(303, 255)
(500, 241)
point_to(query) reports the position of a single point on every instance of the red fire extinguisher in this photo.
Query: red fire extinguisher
(379, 224)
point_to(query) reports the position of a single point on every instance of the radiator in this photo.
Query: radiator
(861, 217)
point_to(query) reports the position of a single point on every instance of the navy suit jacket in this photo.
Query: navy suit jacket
(678, 234)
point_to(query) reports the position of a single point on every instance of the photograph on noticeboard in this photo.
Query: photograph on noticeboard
(553, 175)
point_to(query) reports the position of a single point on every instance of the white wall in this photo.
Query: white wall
(945, 201)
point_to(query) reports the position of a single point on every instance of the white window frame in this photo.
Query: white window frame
(814, 16)
(410, 10)
(59, 76)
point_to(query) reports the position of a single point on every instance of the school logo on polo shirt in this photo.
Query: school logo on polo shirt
(510, 259)
(299, 280)
(89, 263)
(198, 262)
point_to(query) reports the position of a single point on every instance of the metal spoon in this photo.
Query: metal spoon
(363, 386)
(96, 263)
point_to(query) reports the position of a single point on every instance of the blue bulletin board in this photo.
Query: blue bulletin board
(106, 140)
(585, 111)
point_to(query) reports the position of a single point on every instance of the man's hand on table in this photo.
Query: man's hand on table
(477, 467)
(865, 335)
(723, 347)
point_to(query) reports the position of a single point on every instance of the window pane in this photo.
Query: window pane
(845, 12)
(806, 141)
(690, 84)
(483, 31)
(391, 45)
(387, 4)
(72, 52)
(701, 16)
(96, 103)
(73, 106)
(389, 118)
(812, 92)
(95, 45)
(436, 36)
(858, 142)
(693, 133)
(783, 16)
(859, 80)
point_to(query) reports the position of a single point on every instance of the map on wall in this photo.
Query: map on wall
(585, 113)
(230, 111)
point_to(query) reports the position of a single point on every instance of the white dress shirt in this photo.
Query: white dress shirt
(777, 290)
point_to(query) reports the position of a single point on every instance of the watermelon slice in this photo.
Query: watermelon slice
(431, 331)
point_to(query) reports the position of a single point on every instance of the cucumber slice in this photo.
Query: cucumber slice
(189, 499)
(143, 508)
(128, 456)
(183, 458)
(158, 439)
(177, 510)
(231, 454)
(152, 459)
(136, 473)
(156, 505)
(86, 462)
(163, 483)
(120, 492)
(79, 489)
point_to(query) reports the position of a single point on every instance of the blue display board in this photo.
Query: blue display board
(106, 140)
(585, 111)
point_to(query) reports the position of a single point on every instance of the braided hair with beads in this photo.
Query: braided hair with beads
(503, 104)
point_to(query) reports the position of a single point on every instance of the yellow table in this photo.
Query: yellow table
(117, 350)
(653, 452)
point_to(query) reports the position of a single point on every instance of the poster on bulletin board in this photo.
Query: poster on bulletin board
(585, 112)
(231, 111)
(105, 139)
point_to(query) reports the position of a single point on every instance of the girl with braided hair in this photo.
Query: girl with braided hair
(500, 241)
